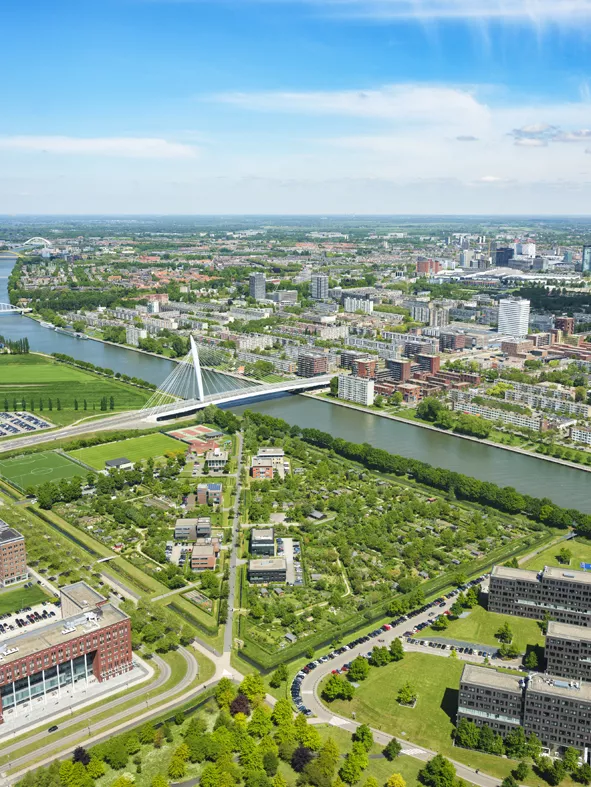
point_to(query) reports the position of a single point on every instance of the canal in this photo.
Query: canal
(566, 486)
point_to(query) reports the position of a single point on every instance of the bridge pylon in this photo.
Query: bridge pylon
(197, 365)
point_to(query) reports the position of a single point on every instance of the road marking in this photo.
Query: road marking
(412, 752)
(336, 722)
(308, 691)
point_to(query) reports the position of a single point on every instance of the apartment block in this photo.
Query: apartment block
(580, 435)
(319, 286)
(356, 389)
(489, 414)
(312, 364)
(568, 651)
(564, 594)
(13, 556)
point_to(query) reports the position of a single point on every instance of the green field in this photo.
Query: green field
(33, 379)
(481, 626)
(430, 722)
(134, 449)
(13, 600)
(580, 549)
(35, 469)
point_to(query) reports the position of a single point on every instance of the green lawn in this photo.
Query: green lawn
(581, 553)
(481, 626)
(35, 379)
(134, 449)
(35, 469)
(430, 722)
(13, 600)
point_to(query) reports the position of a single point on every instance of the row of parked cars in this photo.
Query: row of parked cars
(27, 617)
(438, 602)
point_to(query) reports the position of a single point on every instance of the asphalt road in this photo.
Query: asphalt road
(228, 631)
(310, 696)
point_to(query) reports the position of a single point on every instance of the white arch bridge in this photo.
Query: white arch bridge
(8, 308)
(183, 392)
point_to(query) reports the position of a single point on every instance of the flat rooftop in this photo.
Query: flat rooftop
(560, 687)
(268, 564)
(490, 678)
(504, 572)
(201, 520)
(568, 631)
(83, 595)
(262, 534)
(567, 575)
(58, 633)
(8, 534)
(271, 452)
(203, 550)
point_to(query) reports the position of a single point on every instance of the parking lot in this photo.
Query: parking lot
(21, 423)
(291, 551)
(27, 619)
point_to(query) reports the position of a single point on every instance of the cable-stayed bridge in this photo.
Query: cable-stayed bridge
(190, 387)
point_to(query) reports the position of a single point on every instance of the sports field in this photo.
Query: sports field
(42, 382)
(35, 469)
(135, 449)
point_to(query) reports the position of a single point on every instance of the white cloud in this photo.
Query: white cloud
(406, 102)
(490, 179)
(531, 142)
(126, 147)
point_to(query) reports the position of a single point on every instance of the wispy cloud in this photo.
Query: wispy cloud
(540, 134)
(466, 138)
(121, 147)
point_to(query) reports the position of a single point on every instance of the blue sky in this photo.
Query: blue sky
(310, 106)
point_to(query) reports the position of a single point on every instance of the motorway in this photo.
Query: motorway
(310, 689)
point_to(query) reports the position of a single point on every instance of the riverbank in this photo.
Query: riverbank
(411, 422)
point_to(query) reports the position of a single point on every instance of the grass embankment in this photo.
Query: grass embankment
(13, 600)
(430, 722)
(480, 627)
(135, 449)
(579, 548)
(32, 379)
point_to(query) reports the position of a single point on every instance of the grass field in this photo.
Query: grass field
(32, 378)
(134, 449)
(13, 600)
(581, 553)
(481, 626)
(35, 469)
(430, 722)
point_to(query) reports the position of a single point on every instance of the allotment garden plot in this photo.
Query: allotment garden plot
(34, 469)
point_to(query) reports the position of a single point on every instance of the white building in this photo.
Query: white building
(319, 286)
(466, 257)
(134, 334)
(358, 305)
(514, 316)
(356, 389)
(526, 249)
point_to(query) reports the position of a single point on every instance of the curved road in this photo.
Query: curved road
(310, 697)
(105, 726)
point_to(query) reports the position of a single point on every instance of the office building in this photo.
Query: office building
(269, 462)
(555, 709)
(285, 296)
(209, 494)
(13, 556)
(93, 644)
(356, 389)
(503, 256)
(216, 459)
(203, 557)
(427, 267)
(193, 528)
(262, 541)
(257, 286)
(568, 651)
(312, 364)
(586, 260)
(564, 594)
(319, 286)
(466, 257)
(267, 570)
(514, 316)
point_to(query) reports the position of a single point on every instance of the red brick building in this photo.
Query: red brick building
(428, 267)
(92, 645)
(13, 556)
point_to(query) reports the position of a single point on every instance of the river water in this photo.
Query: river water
(566, 486)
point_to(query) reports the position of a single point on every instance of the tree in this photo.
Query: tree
(583, 774)
(350, 771)
(81, 755)
(396, 780)
(396, 650)
(521, 771)
(337, 688)
(253, 687)
(260, 723)
(467, 734)
(95, 768)
(282, 712)
(270, 763)
(334, 386)
(438, 772)
(407, 695)
(531, 660)
(534, 746)
(359, 669)
(116, 754)
(509, 781)
(570, 758)
(132, 743)
(160, 781)
(240, 704)
(300, 758)
(392, 750)
(279, 676)
(516, 743)
(225, 692)
(146, 733)
(380, 656)
(364, 735)
(564, 556)
(429, 409)
(177, 768)
(504, 633)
